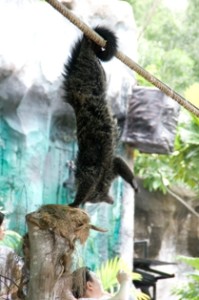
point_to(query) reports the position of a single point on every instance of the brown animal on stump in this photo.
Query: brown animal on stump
(68, 222)
(49, 247)
(85, 90)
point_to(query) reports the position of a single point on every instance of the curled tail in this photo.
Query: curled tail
(83, 73)
(84, 49)
(110, 49)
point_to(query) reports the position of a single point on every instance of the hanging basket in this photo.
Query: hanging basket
(151, 121)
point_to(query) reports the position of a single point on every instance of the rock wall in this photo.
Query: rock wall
(169, 229)
(37, 130)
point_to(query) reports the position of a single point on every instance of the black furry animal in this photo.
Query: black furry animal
(85, 90)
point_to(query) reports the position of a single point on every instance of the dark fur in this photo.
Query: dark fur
(85, 90)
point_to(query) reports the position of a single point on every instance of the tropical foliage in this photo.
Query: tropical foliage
(182, 166)
(12, 240)
(190, 290)
(108, 272)
(191, 94)
(172, 38)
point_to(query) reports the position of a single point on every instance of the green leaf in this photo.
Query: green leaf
(191, 261)
(108, 272)
(12, 240)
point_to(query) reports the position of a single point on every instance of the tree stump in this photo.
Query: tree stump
(52, 233)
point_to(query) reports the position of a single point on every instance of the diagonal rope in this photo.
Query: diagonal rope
(183, 202)
(124, 58)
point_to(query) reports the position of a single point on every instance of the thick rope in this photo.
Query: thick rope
(125, 59)
(183, 202)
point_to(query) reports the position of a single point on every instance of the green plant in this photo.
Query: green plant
(182, 166)
(108, 271)
(12, 240)
(190, 290)
(191, 94)
(171, 37)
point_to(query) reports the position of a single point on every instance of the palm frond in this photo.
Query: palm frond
(108, 272)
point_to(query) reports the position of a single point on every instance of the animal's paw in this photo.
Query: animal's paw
(108, 199)
(73, 204)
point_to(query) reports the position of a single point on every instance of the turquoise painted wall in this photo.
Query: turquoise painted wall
(32, 171)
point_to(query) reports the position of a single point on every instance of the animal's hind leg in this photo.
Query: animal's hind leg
(101, 196)
(103, 186)
(121, 168)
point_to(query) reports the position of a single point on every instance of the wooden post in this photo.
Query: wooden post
(52, 233)
(127, 217)
(46, 266)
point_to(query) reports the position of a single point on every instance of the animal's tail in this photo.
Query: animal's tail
(83, 74)
(83, 47)
(110, 49)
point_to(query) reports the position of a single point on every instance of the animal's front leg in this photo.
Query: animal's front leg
(84, 190)
(121, 168)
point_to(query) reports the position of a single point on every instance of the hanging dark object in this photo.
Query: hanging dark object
(1, 218)
(151, 121)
